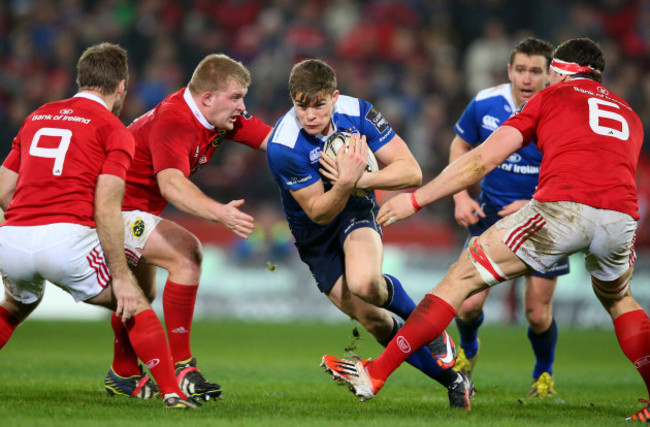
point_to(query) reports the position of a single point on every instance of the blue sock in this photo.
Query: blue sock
(424, 361)
(544, 349)
(469, 335)
(398, 301)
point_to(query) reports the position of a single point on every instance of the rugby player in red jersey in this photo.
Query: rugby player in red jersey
(62, 186)
(173, 141)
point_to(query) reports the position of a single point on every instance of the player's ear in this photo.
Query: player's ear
(206, 98)
(121, 89)
(335, 96)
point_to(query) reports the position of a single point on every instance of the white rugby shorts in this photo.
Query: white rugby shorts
(68, 255)
(138, 226)
(541, 234)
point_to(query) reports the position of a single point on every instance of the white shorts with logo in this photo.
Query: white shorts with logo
(543, 233)
(68, 255)
(138, 226)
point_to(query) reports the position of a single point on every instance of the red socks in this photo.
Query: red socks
(8, 324)
(178, 307)
(633, 333)
(125, 361)
(148, 339)
(428, 320)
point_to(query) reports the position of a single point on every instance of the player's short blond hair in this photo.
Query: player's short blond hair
(215, 72)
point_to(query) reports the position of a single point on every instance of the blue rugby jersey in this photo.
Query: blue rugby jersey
(293, 154)
(516, 178)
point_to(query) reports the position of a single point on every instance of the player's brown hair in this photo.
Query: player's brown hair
(310, 80)
(531, 46)
(583, 51)
(102, 67)
(215, 72)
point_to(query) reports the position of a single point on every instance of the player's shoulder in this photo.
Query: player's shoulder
(174, 109)
(286, 132)
(349, 105)
(495, 93)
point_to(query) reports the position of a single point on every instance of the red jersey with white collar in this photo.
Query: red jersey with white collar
(176, 135)
(59, 152)
(590, 140)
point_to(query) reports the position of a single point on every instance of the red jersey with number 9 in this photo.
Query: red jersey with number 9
(590, 140)
(59, 152)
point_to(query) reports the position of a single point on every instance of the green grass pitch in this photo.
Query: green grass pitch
(51, 374)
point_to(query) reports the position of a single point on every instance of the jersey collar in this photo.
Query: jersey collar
(187, 96)
(511, 99)
(92, 97)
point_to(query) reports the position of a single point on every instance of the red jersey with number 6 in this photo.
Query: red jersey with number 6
(59, 152)
(176, 135)
(590, 139)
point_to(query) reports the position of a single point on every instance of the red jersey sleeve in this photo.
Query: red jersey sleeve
(12, 162)
(250, 131)
(120, 148)
(171, 143)
(525, 121)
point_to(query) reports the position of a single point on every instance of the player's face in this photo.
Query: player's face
(221, 107)
(316, 117)
(528, 75)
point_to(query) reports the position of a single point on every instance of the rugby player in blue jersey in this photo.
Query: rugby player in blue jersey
(336, 232)
(503, 191)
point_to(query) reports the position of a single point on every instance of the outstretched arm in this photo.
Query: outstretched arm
(468, 169)
(187, 197)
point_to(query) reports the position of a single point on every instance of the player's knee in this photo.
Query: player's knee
(538, 318)
(369, 289)
(188, 263)
(17, 309)
(469, 312)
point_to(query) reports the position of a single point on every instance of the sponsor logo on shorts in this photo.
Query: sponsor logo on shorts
(137, 228)
(152, 363)
(403, 344)
(643, 361)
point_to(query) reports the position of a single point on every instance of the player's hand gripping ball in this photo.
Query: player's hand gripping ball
(339, 139)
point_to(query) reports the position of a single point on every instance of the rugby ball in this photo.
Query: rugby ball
(339, 139)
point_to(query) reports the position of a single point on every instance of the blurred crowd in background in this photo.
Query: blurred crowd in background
(418, 61)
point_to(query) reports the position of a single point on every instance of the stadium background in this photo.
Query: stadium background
(418, 61)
